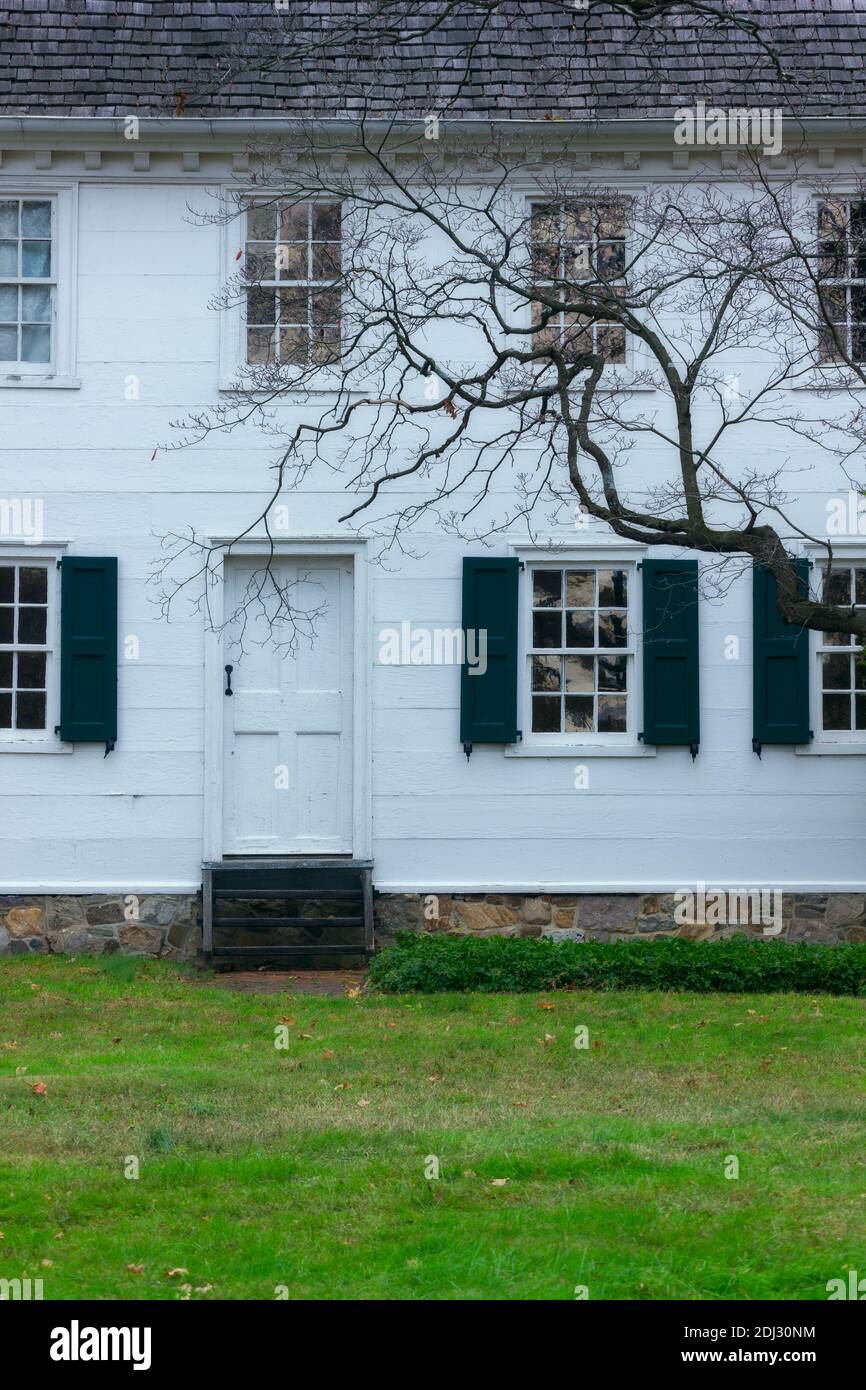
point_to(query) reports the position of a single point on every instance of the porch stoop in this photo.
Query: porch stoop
(308, 912)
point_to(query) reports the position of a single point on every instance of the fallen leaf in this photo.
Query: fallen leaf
(362, 1100)
(327, 1054)
(39, 1088)
(172, 1273)
(352, 992)
(548, 1038)
(434, 1077)
(203, 1288)
(289, 1021)
(135, 1269)
(522, 1103)
(498, 1182)
(308, 1036)
(542, 1005)
(47, 1264)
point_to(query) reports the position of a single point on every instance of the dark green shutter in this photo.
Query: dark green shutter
(88, 649)
(780, 664)
(488, 703)
(671, 700)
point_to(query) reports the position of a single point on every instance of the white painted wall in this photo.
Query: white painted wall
(135, 820)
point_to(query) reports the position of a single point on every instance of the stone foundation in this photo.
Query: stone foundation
(822, 917)
(167, 925)
(96, 924)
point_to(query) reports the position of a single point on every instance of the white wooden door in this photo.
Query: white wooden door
(288, 722)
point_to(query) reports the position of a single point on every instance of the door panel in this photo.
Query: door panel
(288, 723)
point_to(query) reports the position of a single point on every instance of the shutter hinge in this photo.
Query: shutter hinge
(57, 728)
(640, 737)
(519, 738)
(693, 749)
(521, 565)
(756, 746)
(109, 747)
(467, 749)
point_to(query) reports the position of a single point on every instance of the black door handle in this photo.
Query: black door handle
(229, 670)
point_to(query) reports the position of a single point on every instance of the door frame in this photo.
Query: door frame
(214, 698)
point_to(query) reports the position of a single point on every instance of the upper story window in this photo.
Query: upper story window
(840, 659)
(293, 302)
(578, 244)
(842, 273)
(25, 647)
(27, 281)
(580, 651)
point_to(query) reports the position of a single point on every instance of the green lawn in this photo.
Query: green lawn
(305, 1167)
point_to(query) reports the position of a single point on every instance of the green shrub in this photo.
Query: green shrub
(736, 965)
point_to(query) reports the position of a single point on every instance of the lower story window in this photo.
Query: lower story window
(579, 658)
(25, 649)
(841, 663)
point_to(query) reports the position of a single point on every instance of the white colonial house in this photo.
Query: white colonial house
(610, 753)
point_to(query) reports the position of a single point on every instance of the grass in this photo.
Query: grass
(304, 1167)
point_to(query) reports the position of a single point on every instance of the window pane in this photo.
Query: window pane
(6, 670)
(612, 672)
(292, 262)
(8, 304)
(545, 714)
(545, 672)
(580, 628)
(326, 345)
(860, 586)
(5, 711)
(32, 584)
(294, 345)
(611, 344)
(31, 625)
(8, 258)
(262, 222)
(546, 589)
(326, 306)
(860, 708)
(36, 304)
(611, 714)
(261, 260)
(294, 223)
(837, 711)
(35, 344)
(30, 709)
(836, 672)
(326, 260)
(579, 673)
(835, 639)
(8, 344)
(326, 221)
(547, 630)
(261, 306)
(612, 588)
(612, 629)
(260, 345)
(610, 260)
(837, 586)
(580, 588)
(7, 618)
(35, 259)
(7, 584)
(294, 306)
(578, 713)
(859, 673)
(8, 219)
(36, 219)
(31, 670)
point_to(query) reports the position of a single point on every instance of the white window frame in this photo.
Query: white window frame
(615, 375)
(831, 742)
(235, 373)
(60, 371)
(553, 745)
(40, 740)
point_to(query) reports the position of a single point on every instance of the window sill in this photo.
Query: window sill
(832, 379)
(56, 383)
(579, 750)
(34, 745)
(833, 750)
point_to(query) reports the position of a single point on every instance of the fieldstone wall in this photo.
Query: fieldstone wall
(823, 917)
(167, 925)
(155, 924)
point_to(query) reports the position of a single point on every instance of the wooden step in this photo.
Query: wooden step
(346, 882)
